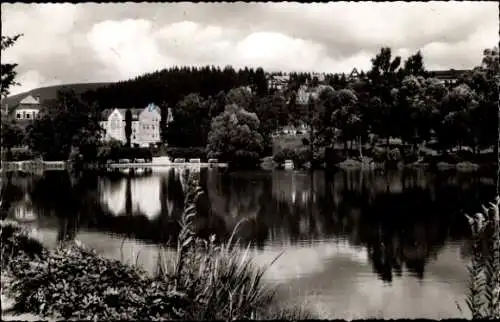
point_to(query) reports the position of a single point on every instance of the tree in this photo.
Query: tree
(128, 126)
(384, 77)
(234, 137)
(458, 108)
(8, 71)
(414, 65)
(240, 96)
(72, 123)
(191, 122)
(347, 116)
(12, 135)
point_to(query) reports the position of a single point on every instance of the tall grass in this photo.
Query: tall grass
(220, 277)
(483, 298)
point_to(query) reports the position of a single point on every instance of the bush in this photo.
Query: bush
(410, 156)
(18, 242)
(187, 153)
(116, 153)
(20, 155)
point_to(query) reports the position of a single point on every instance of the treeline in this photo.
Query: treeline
(232, 115)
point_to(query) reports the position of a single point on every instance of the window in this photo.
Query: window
(28, 116)
(18, 116)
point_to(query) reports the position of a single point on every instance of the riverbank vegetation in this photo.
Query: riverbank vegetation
(206, 279)
(483, 298)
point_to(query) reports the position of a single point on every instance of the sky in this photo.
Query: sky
(90, 42)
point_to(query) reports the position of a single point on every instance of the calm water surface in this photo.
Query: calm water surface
(356, 244)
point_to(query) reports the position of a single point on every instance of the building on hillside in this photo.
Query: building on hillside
(450, 76)
(278, 82)
(354, 74)
(319, 76)
(26, 111)
(145, 125)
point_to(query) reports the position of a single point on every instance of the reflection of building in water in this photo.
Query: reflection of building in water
(23, 210)
(145, 196)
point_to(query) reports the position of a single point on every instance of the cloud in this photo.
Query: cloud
(66, 43)
(126, 48)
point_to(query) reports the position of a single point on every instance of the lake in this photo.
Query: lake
(355, 244)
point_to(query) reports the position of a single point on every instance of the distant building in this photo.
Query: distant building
(27, 109)
(145, 125)
(450, 76)
(278, 82)
(354, 74)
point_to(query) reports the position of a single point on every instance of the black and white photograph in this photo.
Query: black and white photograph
(250, 161)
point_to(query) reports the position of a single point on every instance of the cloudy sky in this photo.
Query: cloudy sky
(66, 43)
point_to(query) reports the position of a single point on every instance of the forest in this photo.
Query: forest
(234, 115)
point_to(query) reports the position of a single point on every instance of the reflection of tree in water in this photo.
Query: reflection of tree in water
(9, 194)
(402, 218)
(407, 227)
(55, 195)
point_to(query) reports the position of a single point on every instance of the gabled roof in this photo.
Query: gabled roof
(30, 100)
(135, 113)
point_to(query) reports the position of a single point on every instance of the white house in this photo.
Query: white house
(27, 109)
(145, 125)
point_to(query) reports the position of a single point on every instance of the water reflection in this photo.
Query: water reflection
(401, 218)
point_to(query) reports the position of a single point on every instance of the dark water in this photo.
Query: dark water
(355, 244)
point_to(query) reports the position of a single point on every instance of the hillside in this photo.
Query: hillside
(50, 92)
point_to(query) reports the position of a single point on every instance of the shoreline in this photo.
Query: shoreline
(68, 277)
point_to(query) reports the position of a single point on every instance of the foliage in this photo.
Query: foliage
(20, 154)
(11, 135)
(483, 299)
(191, 122)
(187, 153)
(235, 137)
(18, 242)
(299, 156)
(8, 71)
(205, 281)
(116, 152)
(71, 123)
(222, 280)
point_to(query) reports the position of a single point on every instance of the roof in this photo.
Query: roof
(30, 100)
(451, 73)
(135, 112)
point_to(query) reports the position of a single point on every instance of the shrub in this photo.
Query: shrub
(187, 153)
(114, 152)
(221, 279)
(483, 299)
(20, 154)
(18, 242)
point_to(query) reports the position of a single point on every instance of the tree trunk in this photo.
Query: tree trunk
(360, 147)
(345, 149)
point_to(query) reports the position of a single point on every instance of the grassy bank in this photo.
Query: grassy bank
(205, 281)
